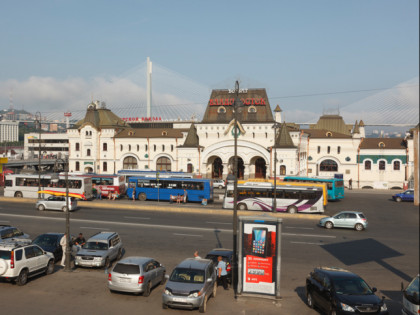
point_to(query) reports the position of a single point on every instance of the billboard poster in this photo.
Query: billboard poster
(259, 257)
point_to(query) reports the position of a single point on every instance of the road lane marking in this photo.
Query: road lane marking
(309, 243)
(179, 234)
(5, 221)
(92, 228)
(140, 218)
(296, 227)
(218, 222)
(153, 226)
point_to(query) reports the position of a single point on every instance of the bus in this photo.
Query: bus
(26, 186)
(282, 183)
(107, 183)
(335, 186)
(147, 188)
(160, 174)
(260, 196)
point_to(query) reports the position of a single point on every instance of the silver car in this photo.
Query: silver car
(346, 219)
(136, 275)
(56, 203)
(190, 285)
(100, 250)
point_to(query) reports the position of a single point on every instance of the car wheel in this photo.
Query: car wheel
(309, 300)
(220, 187)
(107, 263)
(359, 227)
(50, 267)
(203, 307)
(292, 209)
(64, 208)
(142, 197)
(242, 206)
(214, 289)
(329, 225)
(18, 194)
(162, 282)
(148, 289)
(22, 278)
(398, 199)
(164, 306)
(119, 255)
(41, 207)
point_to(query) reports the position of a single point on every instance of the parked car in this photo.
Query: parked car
(219, 183)
(227, 255)
(50, 242)
(345, 219)
(411, 298)
(407, 195)
(19, 262)
(100, 250)
(56, 203)
(8, 232)
(136, 275)
(337, 291)
(190, 285)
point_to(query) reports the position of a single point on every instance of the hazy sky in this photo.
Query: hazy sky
(55, 55)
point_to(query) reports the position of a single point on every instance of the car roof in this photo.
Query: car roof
(194, 263)
(135, 260)
(220, 251)
(101, 236)
(51, 233)
(349, 211)
(337, 272)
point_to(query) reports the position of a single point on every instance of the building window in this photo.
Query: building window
(397, 165)
(253, 135)
(163, 164)
(368, 165)
(382, 165)
(88, 152)
(266, 135)
(130, 163)
(328, 149)
(138, 148)
(328, 166)
(172, 147)
(319, 149)
(163, 148)
(218, 135)
(338, 150)
(121, 147)
(207, 135)
(282, 169)
(77, 166)
(154, 147)
(145, 147)
(105, 167)
(105, 147)
(190, 168)
(129, 147)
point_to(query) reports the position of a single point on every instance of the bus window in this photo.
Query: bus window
(291, 194)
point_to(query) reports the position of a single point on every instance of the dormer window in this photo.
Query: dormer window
(329, 134)
(164, 133)
(252, 109)
(381, 145)
(131, 133)
(221, 110)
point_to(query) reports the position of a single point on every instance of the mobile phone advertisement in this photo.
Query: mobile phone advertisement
(259, 259)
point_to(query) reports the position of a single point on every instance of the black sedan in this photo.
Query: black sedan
(227, 255)
(50, 242)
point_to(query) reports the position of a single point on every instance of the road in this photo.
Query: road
(384, 255)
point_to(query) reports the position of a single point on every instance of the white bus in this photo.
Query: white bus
(260, 196)
(26, 186)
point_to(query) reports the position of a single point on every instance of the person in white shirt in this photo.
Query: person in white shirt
(63, 244)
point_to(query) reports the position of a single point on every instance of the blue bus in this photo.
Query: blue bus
(149, 188)
(335, 186)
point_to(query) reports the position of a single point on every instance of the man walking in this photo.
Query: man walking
(222, 272)
(350, 184)
(185, 196)
(63, 244)
(98, 193)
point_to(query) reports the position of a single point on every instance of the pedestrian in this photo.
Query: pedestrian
(178, 198)
(350, 184)
(204, 202)
(222, 272)
(185, 196)
(134, 194)
(80, 241)
(98, 193)
(63, 244)
(196, 256)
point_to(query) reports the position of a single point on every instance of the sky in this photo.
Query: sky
(313, 57)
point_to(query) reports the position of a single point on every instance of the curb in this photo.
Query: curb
(169, 209)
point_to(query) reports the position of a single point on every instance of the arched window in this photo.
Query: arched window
(319, 149)
(190, 168)
(382, 165)
(207, 135)
(328, 166)
(328, 149)
(397, 165)
(145, 147)
(121, 147)
(77, 146)
(266, 135)
(172, 147)
(129, 147)
(105, 147)
(138, 148)
(130, 163)
(368, 165)
(338, 150)
(88, 152)
(77, 166)
(154, 147)
(282, 169)
(105, 167)
(163, 164)
(163, 148)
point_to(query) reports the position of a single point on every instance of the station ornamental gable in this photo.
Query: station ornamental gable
(256, 107)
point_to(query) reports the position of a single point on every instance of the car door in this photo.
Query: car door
(41, 258)
(325, 294)
(340, 220)
(316, 288)
(150, 272)
(408, 196)
(351, 220)
(158, 271)
(31, 261)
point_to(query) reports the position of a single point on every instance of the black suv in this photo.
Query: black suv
(338, 291)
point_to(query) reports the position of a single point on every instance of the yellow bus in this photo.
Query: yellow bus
(289, 184)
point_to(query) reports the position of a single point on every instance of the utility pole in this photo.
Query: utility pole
(416, 165)
(38, 115)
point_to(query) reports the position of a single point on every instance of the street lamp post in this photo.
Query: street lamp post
(38, 120)
(275, 168)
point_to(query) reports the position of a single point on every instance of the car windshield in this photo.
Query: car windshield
(187, 275)
(127, 269)
(95, 246)
(351, 286)
(412, 291)
(45, 240)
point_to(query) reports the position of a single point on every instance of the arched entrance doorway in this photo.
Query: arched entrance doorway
(241, 167)
(88, 169)
(217, 168)
(328, 166)
(260, 168)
